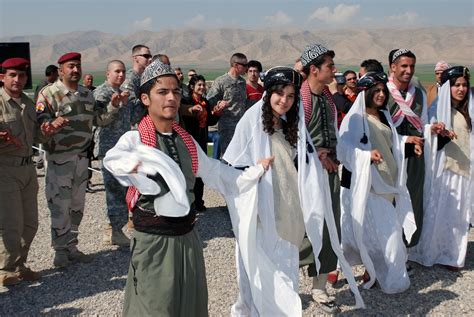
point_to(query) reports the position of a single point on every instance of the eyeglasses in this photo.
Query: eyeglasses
(242, 64)
(147, 56)
(352, 78)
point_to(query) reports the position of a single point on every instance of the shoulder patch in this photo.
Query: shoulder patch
(40, 107)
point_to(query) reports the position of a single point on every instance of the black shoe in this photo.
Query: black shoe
(201, 208)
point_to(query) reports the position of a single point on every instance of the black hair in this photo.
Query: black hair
(192, 82)
(463, 106)
(347, 72)
(255, 64)
(372, 65)
(292, 118)
(50, 69)
(369, 96)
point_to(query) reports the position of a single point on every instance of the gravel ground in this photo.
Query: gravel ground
(97, 288)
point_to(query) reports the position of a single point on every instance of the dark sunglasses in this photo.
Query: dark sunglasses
(241, 64)
(147, 56)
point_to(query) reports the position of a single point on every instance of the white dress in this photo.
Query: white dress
(371, 227)
(448, 213)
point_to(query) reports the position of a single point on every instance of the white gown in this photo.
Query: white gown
(371, 227)
(449, 207)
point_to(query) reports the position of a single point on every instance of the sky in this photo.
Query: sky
(50, 17)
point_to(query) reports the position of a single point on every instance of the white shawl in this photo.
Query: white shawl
(249, 144)
(356, 158)
(435, 160)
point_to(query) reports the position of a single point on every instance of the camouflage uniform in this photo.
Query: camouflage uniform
(234, 91)
(132, 85)
(117, 210)
(66, 155)
(18, 183)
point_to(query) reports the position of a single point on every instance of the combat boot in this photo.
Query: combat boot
(27, 274)
(119, 238)
(78, 256)
(61, 259)
(9, 279)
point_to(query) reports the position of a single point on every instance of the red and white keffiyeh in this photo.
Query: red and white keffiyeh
(305, 93)
(404, 105)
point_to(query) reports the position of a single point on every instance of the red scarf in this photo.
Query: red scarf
(147, 132)
(202, 115)
(305, 93)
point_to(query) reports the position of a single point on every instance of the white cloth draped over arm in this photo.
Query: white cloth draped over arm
(129, 153)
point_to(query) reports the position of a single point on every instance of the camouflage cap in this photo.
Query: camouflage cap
(311, 52)
(154, 70)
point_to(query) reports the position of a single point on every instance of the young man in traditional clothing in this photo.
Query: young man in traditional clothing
(160, 163)
(320, 118)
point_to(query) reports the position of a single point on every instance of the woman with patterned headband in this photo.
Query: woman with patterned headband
(449, 175)
(291, 199)
(375, 202)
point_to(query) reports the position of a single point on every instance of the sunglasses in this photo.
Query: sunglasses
(242, 64)
(147, 56)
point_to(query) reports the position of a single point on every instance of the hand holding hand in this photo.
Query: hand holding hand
(415, 140)
(115, 99)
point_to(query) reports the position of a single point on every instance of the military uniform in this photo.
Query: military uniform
(18, 183)
(66, 154)
(132, 85)
(108, 136)
(234, 91)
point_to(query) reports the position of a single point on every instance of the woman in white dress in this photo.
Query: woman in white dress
(447, 215)
(291, 199)
(373, 182)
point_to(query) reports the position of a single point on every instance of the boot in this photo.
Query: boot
(61, 259)
(116, 237)
(78, 256)
(29, 275)
(9, 279)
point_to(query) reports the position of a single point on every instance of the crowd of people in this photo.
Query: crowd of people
(320, 170)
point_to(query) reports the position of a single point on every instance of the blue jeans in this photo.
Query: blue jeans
(213, 137)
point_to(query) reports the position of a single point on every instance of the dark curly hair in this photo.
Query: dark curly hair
(290, 128)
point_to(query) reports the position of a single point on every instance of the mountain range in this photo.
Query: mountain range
(213, 48)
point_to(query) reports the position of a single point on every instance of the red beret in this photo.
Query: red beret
(16, 63)
(71, 56)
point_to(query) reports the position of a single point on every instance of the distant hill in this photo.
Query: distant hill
(213, 48)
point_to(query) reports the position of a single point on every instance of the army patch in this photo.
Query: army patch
(40, 107)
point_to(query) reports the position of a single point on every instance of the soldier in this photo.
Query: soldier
(88, 82)
(109, 93)
(141, 57)
(66, 154)
(229, 91)
(18, 183)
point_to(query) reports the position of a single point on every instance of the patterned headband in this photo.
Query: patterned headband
(400, 52)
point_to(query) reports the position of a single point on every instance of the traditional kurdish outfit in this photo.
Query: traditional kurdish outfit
(167, 274)
(320, 115)
(267, 253)
(450, 175)
(371, 226)
(410, 117)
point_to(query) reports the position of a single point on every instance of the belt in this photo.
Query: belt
(16, 160)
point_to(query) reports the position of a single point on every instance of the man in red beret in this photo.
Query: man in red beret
(18, 183)
(72, 106)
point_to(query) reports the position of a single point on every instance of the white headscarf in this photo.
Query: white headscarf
(356, 157)
(249, 144)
